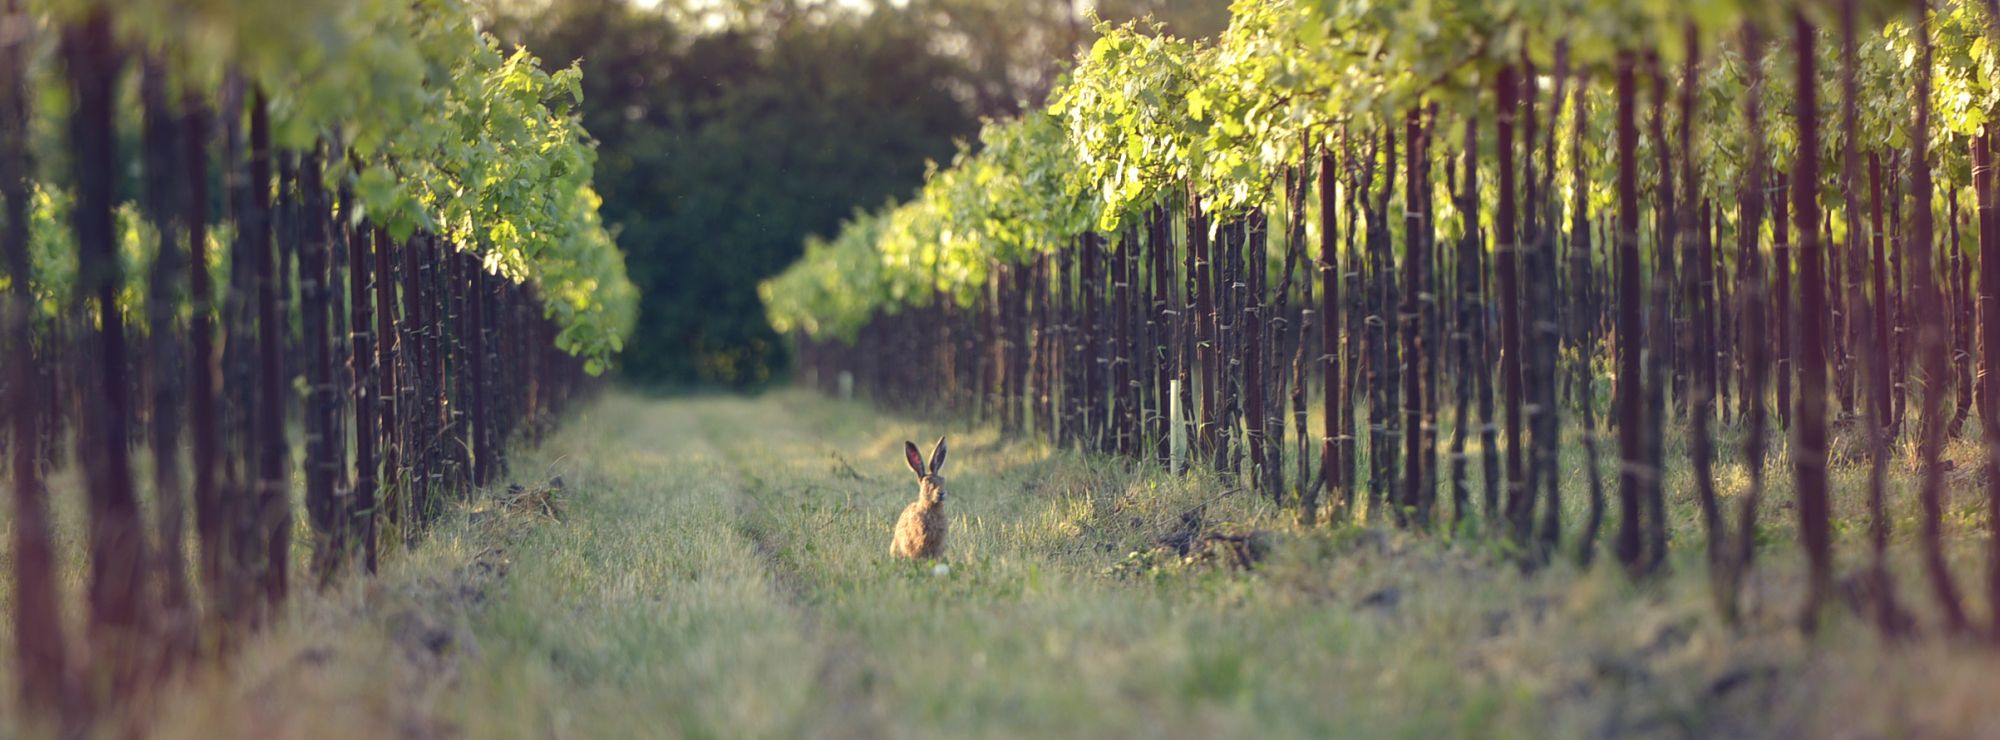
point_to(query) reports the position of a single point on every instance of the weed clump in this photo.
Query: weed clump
(544, 501)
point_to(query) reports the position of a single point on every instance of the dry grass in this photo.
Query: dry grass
(719, 567)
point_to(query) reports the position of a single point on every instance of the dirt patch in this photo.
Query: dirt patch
(432, 629)
(425, 621)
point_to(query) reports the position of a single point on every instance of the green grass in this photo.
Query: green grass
(723, 571)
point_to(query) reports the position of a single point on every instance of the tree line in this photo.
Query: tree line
(746, 125)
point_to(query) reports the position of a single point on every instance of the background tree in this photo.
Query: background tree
(727, 132)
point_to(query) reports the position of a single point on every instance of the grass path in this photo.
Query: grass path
(722, 571)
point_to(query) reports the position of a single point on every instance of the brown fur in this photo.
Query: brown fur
(920, 530)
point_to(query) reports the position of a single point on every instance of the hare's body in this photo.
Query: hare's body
(920, 530)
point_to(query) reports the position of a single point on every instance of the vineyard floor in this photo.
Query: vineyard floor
(721, 568)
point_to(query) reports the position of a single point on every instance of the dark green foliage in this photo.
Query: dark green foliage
(718, 153)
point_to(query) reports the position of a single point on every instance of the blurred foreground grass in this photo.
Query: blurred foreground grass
(721, 569)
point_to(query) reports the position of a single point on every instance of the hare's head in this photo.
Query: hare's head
(930, 484)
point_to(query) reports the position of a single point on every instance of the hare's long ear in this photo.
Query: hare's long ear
(916, 461)
(937, 457)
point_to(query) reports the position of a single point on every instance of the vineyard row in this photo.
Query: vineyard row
(216, 246)
(1724, 210)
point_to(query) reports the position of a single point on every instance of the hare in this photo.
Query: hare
(920, 530)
